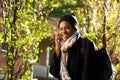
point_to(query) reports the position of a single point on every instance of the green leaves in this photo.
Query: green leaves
(26, 24)
(25, 29)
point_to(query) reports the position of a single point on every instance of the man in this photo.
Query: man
(69, 61)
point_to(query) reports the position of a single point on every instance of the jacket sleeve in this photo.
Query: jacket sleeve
(107, 65)
(100, 62)
(55, 66)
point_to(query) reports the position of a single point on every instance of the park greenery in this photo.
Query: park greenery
(24, 24)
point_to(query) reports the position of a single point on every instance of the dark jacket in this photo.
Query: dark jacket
(81, 66)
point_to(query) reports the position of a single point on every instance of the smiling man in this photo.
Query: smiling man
(69, 62)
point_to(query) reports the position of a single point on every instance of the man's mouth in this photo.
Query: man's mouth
(65, 35)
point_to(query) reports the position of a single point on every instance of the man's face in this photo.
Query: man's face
(66, 30)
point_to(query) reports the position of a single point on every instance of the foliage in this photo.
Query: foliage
(24, 25)
(117, 67)
(23, 28)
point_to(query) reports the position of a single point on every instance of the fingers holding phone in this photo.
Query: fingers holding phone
(58, 43)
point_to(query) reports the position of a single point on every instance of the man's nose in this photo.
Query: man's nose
(64, 31)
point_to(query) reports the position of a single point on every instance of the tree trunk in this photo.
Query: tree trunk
(104, 26)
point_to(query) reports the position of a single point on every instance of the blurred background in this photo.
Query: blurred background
(27, 30)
